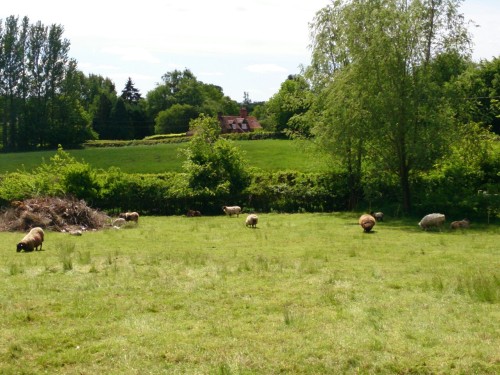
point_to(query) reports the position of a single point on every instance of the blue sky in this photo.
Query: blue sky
(241, 45)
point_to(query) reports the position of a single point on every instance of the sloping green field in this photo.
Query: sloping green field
(271, 155)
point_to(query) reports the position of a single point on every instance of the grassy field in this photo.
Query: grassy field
(271, 155)
(301, 294)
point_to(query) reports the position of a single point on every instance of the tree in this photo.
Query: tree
(287, 106)
(477, 93)
(130, 94)
(122, 123)
(175, 119)
(372, 70)
(213, 163)
(182, 88)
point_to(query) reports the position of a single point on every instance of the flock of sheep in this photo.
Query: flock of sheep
(368, 221)
(34, 239)
(251, 220)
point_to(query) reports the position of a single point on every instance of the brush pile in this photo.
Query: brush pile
(56, 214)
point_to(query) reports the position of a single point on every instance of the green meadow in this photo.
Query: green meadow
(269, 155)
(300, 294)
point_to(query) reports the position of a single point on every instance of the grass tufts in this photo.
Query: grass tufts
(480, 287)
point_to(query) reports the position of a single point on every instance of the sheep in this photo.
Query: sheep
(232, 210)
(432, 220)
(32, 240)
(367, 222)
(130, 216)
(379, 216)
(117, 223)
(193, 213)
(460, 224)
(252, 220)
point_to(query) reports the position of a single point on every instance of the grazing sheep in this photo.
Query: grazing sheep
(32, 240)
(130, 216)
(193, 213)
(379, 216)
(460, 224)
(367, 222)
(232, 210)
(432, 220)
(76, 232)
(117, 223)
(252, 220)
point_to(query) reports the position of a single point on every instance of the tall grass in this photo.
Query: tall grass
(304, 293)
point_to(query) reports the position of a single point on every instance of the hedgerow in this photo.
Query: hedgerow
(453, 191)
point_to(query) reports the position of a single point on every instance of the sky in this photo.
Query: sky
(240, 45)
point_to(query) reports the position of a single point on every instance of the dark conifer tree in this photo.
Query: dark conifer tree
(130, 94)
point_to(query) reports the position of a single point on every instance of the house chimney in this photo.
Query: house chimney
(243, 112)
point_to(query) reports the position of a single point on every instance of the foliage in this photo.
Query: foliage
(189, 96)
(476, 94)
(376, 68)
(130, 94)
(285, 109)
(175, 119)
(40, 90)
(213, 163)
(63, 175)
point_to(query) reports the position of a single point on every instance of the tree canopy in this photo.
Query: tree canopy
(374, 65)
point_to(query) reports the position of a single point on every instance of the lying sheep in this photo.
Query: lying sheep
(252, 220)
(119, 222)
(379, 216)
(367, 222)
(432, 220)
(232, 210)
(32, 240)
(193, 213)
(460, 224)
(130, 216)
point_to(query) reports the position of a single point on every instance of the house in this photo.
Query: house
(241, 123)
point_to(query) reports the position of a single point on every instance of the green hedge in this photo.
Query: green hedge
(168, 194)
(456, 191)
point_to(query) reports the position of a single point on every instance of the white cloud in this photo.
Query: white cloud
(266, 68)
(132, 54)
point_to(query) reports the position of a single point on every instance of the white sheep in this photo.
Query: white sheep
(460, 224)
(379, 216)
(232, 210)
(32, 240)
(130, 216)
(118, 223)
(432, 220)
(367, 222)
(252, 220)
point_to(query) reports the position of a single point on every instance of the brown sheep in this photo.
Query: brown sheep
(367, 222)
(130, 216)
(193, 213)
(460, 224)
(32, 240)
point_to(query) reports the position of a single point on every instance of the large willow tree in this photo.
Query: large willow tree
(373, 68)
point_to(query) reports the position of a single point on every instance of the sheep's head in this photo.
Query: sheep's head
(20, 246)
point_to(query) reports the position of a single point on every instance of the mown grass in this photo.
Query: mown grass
(270, 155)
(303, 293)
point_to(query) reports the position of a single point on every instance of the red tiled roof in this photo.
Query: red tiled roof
(239, 124)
